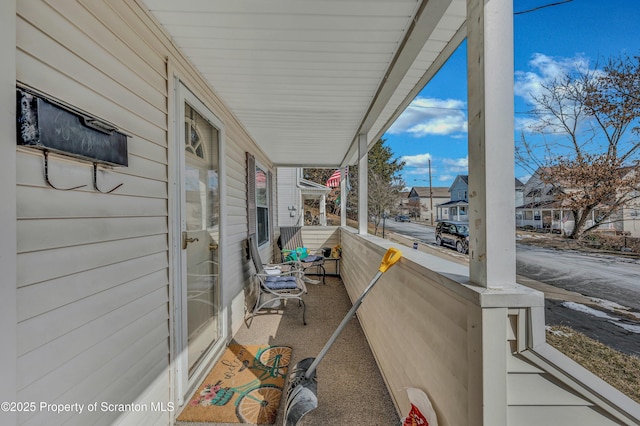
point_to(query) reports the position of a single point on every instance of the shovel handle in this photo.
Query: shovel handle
(390, 258)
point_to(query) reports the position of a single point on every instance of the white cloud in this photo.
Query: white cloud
(457, 165)
(545, 69)
(430, 116)
(416, 172)
(419, 160)
(446, 178)
(525, 124)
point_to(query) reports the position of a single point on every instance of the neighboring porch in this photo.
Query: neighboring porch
(550, 216)
(453, 210)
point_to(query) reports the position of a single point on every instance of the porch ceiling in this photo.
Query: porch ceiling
(305, 77)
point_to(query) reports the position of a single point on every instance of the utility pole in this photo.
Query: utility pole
(430, 195)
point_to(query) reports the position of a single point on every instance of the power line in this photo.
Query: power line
(466, 110)
(541, 7)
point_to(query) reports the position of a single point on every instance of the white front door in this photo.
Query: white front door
(198, 307)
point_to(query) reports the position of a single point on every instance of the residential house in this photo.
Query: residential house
(404, 207)
(519, 192)
(542, 210)
(124, 281)
(293, 191)
(457, 206)
(422, 201)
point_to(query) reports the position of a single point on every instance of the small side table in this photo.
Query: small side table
(336, 261)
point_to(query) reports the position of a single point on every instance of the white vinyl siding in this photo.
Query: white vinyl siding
(93, 270)
(288, 196)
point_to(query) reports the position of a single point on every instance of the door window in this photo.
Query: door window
(201, 233)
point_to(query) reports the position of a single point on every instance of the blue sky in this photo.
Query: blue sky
(547, 42)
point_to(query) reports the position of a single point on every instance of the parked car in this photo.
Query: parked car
(453, 234)
(402, 218)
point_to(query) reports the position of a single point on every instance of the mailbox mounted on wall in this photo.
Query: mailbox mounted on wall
(50, 126)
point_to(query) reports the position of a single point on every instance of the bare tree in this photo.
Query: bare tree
(584, 148)
(415, 208)
(382, 196)
(592, 186)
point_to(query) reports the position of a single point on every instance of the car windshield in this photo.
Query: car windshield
(462, 229)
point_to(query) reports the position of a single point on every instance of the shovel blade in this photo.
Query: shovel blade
(302, 395)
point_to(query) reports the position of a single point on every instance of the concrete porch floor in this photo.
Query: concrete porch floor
(350, 387)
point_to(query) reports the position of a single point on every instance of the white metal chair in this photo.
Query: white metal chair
(290, 239)
(277, 282)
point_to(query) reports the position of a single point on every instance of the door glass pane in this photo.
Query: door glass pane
(201, 225)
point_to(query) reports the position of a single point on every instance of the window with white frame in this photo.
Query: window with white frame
(262, 204)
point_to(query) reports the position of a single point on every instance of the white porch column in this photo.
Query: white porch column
(492, 260)
(8, 246)
(343, 197)
(323, 210)
(363, 190)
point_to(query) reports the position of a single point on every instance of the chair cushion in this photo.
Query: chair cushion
(281, 283)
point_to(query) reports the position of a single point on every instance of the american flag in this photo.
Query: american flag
(334, 179)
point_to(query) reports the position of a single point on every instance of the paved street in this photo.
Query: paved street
(415, 230)
(606, 277)
(611, 282)
(610, 312)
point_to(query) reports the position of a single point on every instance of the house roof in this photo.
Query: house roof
(308, 187)
(306, 78)
(424, 191)
(454, 203)
(465, 179)
(550, 204)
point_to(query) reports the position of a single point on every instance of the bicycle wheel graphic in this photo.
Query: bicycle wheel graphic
(259, 405)
(269, 356)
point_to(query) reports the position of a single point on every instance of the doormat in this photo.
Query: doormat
(245, 386)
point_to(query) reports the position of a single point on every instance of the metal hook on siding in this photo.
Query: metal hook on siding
(95, 181)
(46, 174)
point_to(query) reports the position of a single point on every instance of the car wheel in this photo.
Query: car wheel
(460, 247)
(439, 241)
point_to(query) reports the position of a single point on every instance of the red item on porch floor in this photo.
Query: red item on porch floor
(421, 413)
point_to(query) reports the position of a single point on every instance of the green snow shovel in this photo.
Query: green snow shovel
(303, 388)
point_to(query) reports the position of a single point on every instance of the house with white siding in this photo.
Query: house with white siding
(458, 204)
(124, 281)
(424, 199)
(540, 209)
(293, 190)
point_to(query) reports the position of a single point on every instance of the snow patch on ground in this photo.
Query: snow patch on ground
(613, 306)
(557, 332)
(629, 327)
(587, 310)
(596, 313)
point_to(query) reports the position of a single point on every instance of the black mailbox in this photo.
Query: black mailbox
(51, 127)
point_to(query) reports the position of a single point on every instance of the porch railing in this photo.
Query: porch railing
(479, 354)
